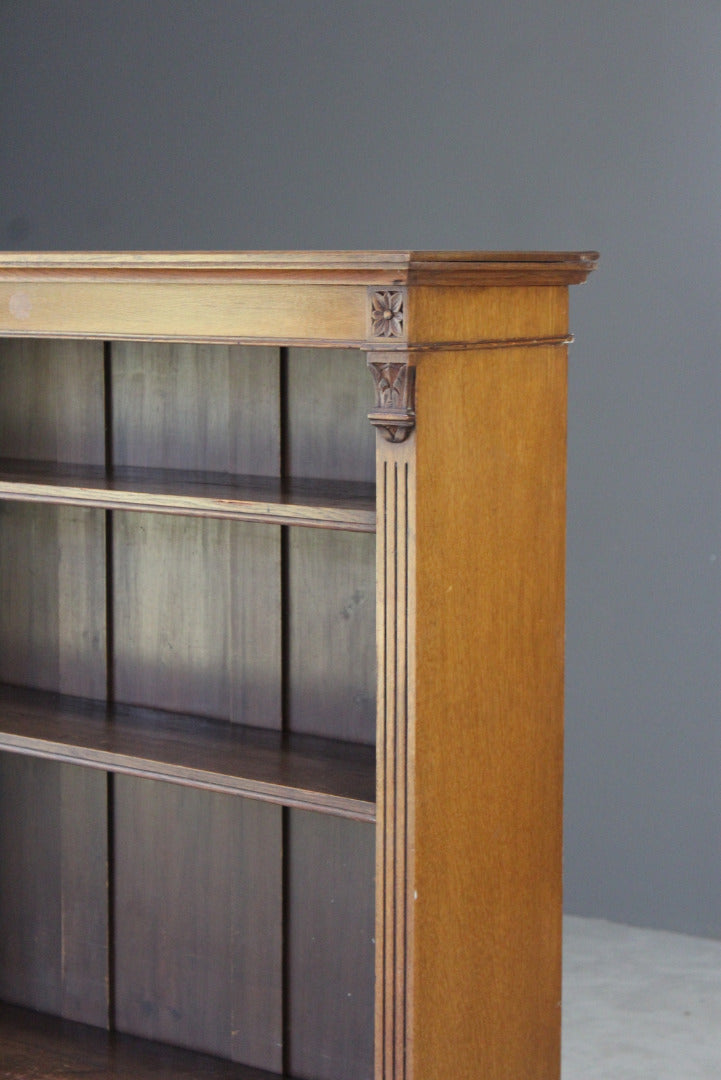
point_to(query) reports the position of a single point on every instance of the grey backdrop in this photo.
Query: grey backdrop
(515, 124)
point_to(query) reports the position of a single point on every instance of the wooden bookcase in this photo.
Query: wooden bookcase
(281, 664)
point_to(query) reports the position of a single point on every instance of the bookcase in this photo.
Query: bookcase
(281, 664)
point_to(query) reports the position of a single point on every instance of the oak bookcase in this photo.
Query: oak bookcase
(281, 664)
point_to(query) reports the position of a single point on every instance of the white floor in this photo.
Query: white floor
(639, 1004)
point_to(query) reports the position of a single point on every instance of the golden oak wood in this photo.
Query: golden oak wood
(244, 416)
(489, 708)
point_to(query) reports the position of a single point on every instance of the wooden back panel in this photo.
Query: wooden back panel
(53, 831)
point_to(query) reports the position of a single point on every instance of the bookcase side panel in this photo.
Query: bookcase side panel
(489, 712)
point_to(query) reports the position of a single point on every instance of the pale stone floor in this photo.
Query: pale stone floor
(639, 1004)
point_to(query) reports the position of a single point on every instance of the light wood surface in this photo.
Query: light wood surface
(487, 783)
(262, 297)
(492, 315)
(361, 267)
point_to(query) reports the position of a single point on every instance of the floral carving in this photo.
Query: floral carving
(395, 392)
(387, 314)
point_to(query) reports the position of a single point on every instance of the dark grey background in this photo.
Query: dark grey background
(515, 124)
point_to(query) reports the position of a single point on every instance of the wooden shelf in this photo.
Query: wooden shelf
(329, 504)
(36, 1045)
(302, 771)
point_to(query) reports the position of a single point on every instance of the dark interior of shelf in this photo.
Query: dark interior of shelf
(45, 1048)
(132, 888)
(304, 771)
(303, 501)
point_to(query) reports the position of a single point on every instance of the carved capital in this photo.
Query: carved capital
(395, 384)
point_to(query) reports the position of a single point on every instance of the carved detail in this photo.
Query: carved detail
(387, 314)
(395, 398)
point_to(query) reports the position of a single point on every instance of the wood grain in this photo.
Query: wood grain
(330, 948)
(172, 311)
(312, 297)
(327, 775)
(51, 401)
(324, 504)
(383, 267)
(53, 852)
(491, 314)
(197, 617)
(194, 407)
(328, 436)
(198, 921)
(489, 710)
(331, 635)
(276, 626)
(52, 561)
(35, 1045)
(53, 873)
(396, 640)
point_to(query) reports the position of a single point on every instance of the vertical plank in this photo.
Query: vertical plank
(29, 615)
(330, 948)
(53, 851)
(52, 615)
(197, 616)
(53, 873)
(198, 920)
(51, 400)
(81, 601)
(197, 628)
(197, 612)
(331, 634)
(83, 882)
(30, 894)
(331, 668)
(329, 396)
(205, 407)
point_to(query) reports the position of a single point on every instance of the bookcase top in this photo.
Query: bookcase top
(331, 267)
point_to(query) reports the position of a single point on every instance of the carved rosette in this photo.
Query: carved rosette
(394, 413)
(387, 313)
